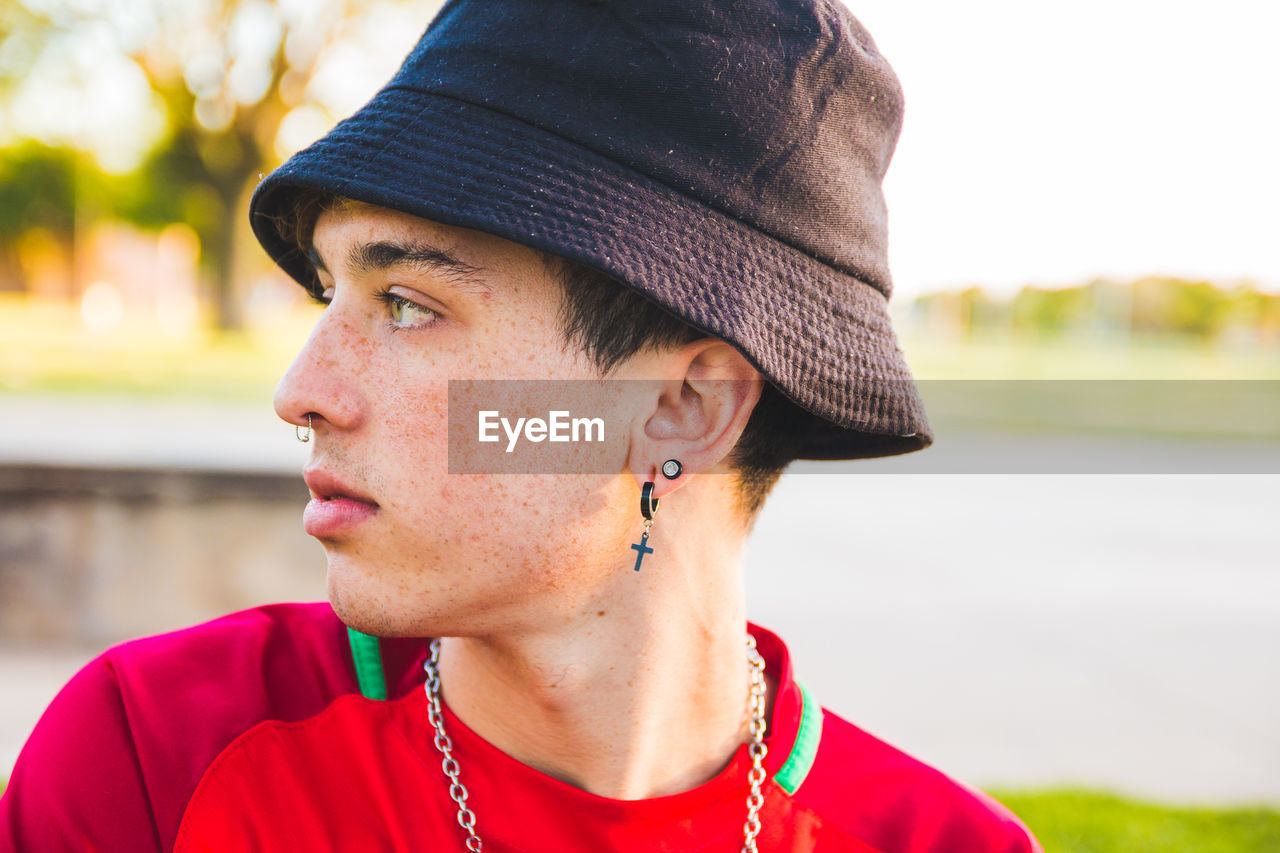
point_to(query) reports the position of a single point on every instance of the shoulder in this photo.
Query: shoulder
(898, 804)
(273, 649)
(151, 714)
(202, 686)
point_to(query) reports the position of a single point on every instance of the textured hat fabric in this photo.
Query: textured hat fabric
(722, 157)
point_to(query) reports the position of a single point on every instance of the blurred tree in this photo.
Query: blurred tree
(1155, 306)
(1249, 308)
(224, 75)
(1110, 307)
(1164, 305)
(981, 311)
(1150, 304)
(1197, 308)
(1038, 310)
(37, 190)
(37, 194)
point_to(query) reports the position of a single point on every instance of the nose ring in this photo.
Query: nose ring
(304, 437)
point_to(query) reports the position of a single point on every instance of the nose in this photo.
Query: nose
(323, 380)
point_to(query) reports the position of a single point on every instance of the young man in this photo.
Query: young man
(679, 198)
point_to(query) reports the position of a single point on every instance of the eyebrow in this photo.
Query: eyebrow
(382, 255)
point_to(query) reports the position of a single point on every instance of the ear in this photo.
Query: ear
(695, 415)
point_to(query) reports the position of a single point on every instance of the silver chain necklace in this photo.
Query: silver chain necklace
(756, 748)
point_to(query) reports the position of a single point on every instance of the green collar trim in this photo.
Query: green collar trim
(800, 761)
(367, 656)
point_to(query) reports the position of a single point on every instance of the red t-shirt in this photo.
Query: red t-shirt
(257, 731)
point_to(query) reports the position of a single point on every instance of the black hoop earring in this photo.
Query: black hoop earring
(671, 469)
(648, 503)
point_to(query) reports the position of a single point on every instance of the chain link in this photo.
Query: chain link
(756, 748)
(457, 791)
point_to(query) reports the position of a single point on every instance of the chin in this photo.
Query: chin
(358, 600)
(371, 616)
(411, 602)
(365, 601)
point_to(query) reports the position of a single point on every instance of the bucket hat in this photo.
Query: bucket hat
(722, 157)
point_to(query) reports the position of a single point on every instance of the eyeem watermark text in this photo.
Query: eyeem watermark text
(558, 427)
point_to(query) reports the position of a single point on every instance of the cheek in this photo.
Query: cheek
(404, 446)
(412, 417)
(549, 529)
(543, 531)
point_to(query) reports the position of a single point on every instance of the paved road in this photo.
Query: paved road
(1104, 630)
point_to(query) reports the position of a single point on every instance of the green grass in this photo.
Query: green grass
(47, 350)
(1196, 409)
(1067, 384)
(1076, 821)
(1006, 356)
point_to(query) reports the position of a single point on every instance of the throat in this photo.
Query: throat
(625, 732)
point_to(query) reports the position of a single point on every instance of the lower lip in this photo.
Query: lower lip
(323, 519)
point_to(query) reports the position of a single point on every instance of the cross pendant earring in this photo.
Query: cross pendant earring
(643, 547)
(648, 506)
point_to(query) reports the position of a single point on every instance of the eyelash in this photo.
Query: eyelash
(390, 299)
(386, 297)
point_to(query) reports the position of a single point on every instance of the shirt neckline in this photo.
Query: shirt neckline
(525, 797)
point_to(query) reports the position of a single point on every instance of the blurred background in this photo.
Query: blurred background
(1080, 193)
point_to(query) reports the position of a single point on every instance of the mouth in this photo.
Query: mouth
(342, 497)
(327, 487)
(335, 509)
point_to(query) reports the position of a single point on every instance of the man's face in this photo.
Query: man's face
(413, 549)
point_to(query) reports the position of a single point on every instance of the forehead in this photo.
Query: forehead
(343, 235)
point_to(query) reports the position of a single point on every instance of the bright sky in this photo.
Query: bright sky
(1050, 143)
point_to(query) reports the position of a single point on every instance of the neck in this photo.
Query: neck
(641, 693)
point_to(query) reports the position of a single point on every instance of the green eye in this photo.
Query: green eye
(406, 314)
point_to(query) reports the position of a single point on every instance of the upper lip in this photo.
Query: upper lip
(326, 486)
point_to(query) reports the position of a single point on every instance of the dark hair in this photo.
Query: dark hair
(612, 322)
